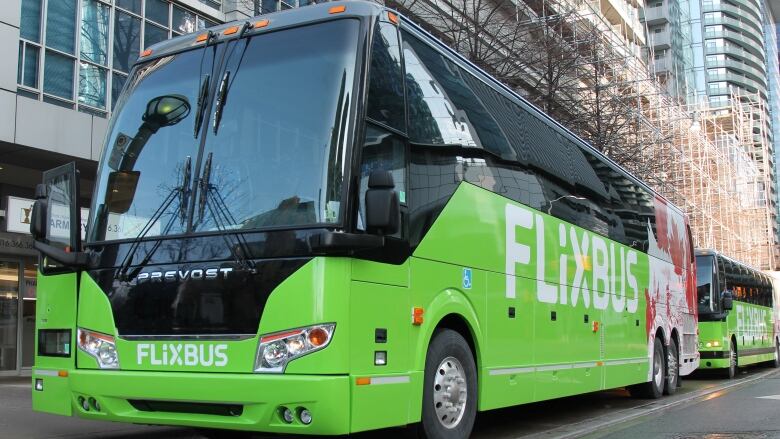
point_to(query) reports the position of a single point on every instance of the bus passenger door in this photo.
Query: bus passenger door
(380, 316)
(57, 293)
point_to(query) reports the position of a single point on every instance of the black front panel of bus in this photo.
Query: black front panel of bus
(197, 285)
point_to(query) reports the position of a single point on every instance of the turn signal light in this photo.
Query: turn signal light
(337, 9)
(417, 316)
(392, 17)
(318, 337)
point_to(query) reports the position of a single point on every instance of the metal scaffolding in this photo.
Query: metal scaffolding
(714, 163)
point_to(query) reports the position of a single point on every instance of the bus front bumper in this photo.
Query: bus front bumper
(714, 359)
(226, 401)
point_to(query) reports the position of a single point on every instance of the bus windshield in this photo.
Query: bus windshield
(706, 296)
(273, 153)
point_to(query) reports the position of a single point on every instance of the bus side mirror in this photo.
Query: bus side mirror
(38, 216)
(382, 205)
(728, 300)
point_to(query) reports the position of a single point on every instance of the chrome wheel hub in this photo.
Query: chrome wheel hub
(449, 392)
(658, 369)
(672, 361)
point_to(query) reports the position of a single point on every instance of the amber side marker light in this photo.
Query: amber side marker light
(202, 37)
(261, 23)
(337, 9)
(363, 381)
(231, 30)
(146, 52)
(392, 17)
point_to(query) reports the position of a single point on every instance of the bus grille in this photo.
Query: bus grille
(187, 407)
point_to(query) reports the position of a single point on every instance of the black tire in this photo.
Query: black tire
(672, 381)
(446, 344)
(776, 362)
(731, 371)
(653, 389)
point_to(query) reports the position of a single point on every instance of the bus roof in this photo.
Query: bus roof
(264, 23)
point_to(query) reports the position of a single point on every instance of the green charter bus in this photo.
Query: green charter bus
(738, 317)
(324, 221)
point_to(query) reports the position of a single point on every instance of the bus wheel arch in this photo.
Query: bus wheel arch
(459, 324)
(654, 388)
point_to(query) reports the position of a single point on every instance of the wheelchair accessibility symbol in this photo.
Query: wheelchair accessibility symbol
(467, 278)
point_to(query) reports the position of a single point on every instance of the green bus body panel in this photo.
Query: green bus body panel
(55, 309)
(548, 349)
(751, 326)
(538, 347)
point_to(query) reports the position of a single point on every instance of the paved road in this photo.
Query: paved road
(561, 418)
(747, 412)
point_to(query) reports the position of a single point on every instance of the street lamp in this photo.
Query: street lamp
(575, 197)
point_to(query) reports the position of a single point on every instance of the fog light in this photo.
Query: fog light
(84, 404)
(305, 416)
(380, 358)
(287, 415)
(39, 384)
(94, 404)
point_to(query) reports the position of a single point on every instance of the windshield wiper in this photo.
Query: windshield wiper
(220, 212)
(204, 90)
(204, 85)
(224, 86)
(180, 192)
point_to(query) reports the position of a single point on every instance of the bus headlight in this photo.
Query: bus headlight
(100, 346)
(278, 349)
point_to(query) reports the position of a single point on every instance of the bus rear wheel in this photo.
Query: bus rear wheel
(653, 389)
(672, 369)
(450, 388)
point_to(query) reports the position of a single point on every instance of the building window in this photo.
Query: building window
(70, 55)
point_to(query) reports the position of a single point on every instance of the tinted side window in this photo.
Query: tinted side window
(385, 90)
(443, 109)
(382, 150)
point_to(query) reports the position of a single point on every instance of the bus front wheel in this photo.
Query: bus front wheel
(655, 387)
(733, 361)
(450, 393)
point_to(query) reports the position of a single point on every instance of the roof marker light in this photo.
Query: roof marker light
(231, 30)
(392, 17)
(202, 37)
(337, 9)
(146, 52)
(262, 23)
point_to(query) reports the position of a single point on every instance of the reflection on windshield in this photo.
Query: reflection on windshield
(277, 159)
(278, 155)
(704, 287)
(148, 147)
